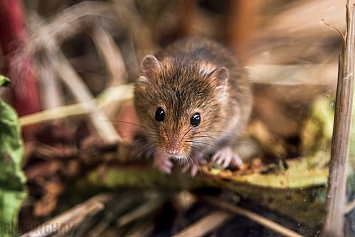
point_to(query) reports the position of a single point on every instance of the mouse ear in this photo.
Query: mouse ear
(219, 78)
(149, 66)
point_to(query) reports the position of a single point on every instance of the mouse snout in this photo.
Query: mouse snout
(174, 148)
(173, 151)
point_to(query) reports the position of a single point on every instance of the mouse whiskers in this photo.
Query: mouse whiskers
(194, 163)
(135, 124)
(145, 151)
(203, 144)
(185, 134)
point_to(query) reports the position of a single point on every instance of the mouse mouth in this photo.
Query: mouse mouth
(173, 149)
(178, 155)
(175, 155)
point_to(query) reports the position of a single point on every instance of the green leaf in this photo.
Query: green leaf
(12, 178)
(4, 81)
(297, 193)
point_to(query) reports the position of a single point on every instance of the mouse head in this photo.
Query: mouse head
(179, 103)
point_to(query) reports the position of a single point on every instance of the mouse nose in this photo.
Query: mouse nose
(173, 146)
(173, 151)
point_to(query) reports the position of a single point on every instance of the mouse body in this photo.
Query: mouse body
(192, 99)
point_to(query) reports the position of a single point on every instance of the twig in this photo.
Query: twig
(80, 91)
(141, 229)
(349, 207)
(52, 96)
(103, 126)
(49, 84)
(331, 26)
(73, 216)
(51, 114)
(334, 223)
(110, 54)
(121, 93)
(127, 200)
(140, 211)
(68, 23)
(205, 225)
(255, 217)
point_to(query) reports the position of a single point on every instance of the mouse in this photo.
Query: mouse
(192, 100)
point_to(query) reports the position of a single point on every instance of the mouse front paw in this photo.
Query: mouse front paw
(193, 166)
(190, 168)
(225, 157)
(162, 163)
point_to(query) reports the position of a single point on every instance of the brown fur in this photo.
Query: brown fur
(193, 75)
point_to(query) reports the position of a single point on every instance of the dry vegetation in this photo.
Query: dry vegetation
(76, 159)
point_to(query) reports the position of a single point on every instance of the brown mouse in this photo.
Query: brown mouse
(193, 99)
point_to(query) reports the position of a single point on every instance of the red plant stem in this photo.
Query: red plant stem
(18, 62)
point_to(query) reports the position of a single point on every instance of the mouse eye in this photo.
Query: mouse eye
(159, 114)
(195, 120)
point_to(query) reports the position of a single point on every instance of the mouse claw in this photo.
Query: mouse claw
(197, 159)
(185, 168)
(191, 168)
(225, 156)
(162, 163)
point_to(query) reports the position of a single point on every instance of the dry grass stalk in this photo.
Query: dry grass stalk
(73, 81)
(102, 124)
(68, 23)
(76, 215)
(143, 210)
(205, 225)
(334, 223)
(51, 95)
(252, 216)
(349, 207)
(52, 114)
(113, 209)
(142, 229)
(111, 55)
(116, 95)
